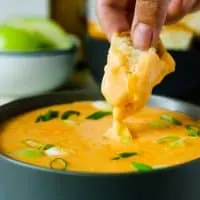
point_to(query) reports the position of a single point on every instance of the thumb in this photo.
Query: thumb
(148, 20)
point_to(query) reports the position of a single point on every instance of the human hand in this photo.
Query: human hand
(143, 18)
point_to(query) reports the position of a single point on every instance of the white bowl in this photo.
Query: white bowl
(33, 73)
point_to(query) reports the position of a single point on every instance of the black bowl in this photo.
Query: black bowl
(182, 84)
(21, 181)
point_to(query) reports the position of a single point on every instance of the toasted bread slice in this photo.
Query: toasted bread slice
(177, 37)
(192, 21)
(129, 78)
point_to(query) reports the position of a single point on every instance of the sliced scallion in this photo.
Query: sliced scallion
(176, 143)
(171, 119)
(49, 115)
(54, 151)
(124, 155)
(69, 113)
(59, 163)
(158, 124)
(193, 130)
(141, 167)
(39, 119)
(29, 153)
(47, 146)
(160, 166)
(98, 115)
(32, 143)
(168, 139)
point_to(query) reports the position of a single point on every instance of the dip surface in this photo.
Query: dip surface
(72, 137)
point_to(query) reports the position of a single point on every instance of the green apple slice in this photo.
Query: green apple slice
(45, 30)
(14, 39)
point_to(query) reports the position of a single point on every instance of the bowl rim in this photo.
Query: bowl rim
(95, 174)
(37, 53)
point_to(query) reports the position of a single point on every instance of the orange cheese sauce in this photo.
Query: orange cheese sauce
(85, 147)
(95, 31)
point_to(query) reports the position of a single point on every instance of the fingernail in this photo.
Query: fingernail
(142, 36)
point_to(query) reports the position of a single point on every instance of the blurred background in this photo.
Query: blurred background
(58, 45)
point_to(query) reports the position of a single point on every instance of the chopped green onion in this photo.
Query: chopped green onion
(160, 166)
(158, 124)
(39, 119)
(32, 143)
(69, 113)
(29, 153)
(127, 154)
(193, 130)
(50, 115)
(168, 139)
(124, 155)
(98, 115)
(47, 116)
(141, 167)
(58, 163)
(54, 151)
(179, 142)
(116, 158)
(47, 146)
(170, 119)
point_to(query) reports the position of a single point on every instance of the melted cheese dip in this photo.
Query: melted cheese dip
(72, 137)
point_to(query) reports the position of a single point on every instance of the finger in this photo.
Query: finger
(178, 9)
(113, 16)
(196, 6)
(149, 18)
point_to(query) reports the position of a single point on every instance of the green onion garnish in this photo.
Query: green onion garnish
(47, 146)
(47, 116)
(193, 130)
(141, 167)
(176, 143)
(32, 143)
(168, 139)
(29, 153)
(98, 115)
(69, 113)
(160, 166)
(158, 124)
(39, 119)
(58, 163)
(171, 119)
(124, 155)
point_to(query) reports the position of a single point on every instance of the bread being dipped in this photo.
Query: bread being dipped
(129, 78)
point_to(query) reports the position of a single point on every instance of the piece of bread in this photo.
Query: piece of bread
(192, 21)
(177, 37)
(130, 75)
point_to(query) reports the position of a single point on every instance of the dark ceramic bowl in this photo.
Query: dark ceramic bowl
(182, 84)
(21, 181)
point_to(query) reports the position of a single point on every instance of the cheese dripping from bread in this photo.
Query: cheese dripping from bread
(129, 78)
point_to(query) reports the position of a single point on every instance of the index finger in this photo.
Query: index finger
(149, 18)
(113, 15)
